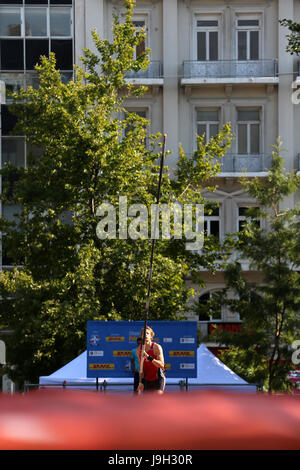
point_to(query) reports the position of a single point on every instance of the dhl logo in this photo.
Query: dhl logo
(114, 338)
(132, 339)
(182, 353)
(122, 353)
(101, 366)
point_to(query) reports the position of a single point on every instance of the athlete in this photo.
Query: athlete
(153, 367)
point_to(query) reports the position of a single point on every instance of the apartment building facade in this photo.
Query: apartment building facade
(211, 62)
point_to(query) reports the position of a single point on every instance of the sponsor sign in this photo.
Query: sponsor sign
(181, 353)
(114, 342)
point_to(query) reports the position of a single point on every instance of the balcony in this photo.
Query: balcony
(230, 72)
(237, 165)
(151, 76)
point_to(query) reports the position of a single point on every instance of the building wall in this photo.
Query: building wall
(174, 98)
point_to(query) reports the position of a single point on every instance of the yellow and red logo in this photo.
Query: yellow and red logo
(182, 353)
(167, 366)
(101, 366)
(114, 338)
(122, 353)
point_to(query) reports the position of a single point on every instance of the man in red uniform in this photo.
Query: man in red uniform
(153, 367)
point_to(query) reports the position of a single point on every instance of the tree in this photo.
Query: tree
(293, 46)
(88, 155)
(269, 308)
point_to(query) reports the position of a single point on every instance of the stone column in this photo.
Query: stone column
(285, 105)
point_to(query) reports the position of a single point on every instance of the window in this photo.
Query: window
(13, 151)
(10, 212)
(141, 112)
(9, 120)
(207, 122)
(207, 39)
(248, 32)
(212, 223)
(243, 217)
(32, 30)
(248, 130)
(139, 23)
(11, 54)
(204, 312)
(60, 21)
(35, 21)
(10, 21)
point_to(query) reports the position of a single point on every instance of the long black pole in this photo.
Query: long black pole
(152, 255)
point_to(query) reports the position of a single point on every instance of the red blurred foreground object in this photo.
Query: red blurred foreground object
(68, 420)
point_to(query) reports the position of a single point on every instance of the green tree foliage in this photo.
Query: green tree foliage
(90, 155)
(269, 309)
(293, 46)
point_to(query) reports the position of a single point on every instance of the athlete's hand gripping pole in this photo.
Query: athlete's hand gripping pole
(142, 358)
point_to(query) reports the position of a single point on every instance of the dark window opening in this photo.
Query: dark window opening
(61, 2)
(12, 55)
(37, 2)
(35, 48)
(63, 52)
(9, 120)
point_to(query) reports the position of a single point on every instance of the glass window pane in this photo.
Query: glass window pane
(207, 115)
(13, 151)
(201, 45)
(63, 52)
(254, 39)
(213, 45)
(201, 130)
(11, 53)
(11, 212)
(10, 22)
(61, 2)
(8, 120)
(205, 23)
(6, 2)
(213, 130)
(242, 45)
(248, 115)
(35, 48)
(242, 138)
(139, 23)
(39, 2)
(254, 138)
(35, 21)
(60, 21)
(140, 49)
(215, 228)
(248, 22)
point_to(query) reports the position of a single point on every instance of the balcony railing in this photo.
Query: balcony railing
(229, 68)
(154, 70)
(234, 163)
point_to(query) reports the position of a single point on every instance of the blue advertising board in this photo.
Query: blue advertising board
(109, 347)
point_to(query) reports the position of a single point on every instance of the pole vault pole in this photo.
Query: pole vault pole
(152, 256)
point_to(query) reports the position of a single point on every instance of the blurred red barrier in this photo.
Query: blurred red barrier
(183, 421)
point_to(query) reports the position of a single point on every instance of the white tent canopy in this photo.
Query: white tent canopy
(211, 372)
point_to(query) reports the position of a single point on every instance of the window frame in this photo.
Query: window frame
(48, 8)
(248, 123)
(241, 218)
(248, 30)
(207, 122)
(207, 30)
(211, 292)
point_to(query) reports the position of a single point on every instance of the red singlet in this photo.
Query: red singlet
(150, 370)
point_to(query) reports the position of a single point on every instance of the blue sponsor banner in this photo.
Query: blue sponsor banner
(110, 344)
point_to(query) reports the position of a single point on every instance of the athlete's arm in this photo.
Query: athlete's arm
(159, 360)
